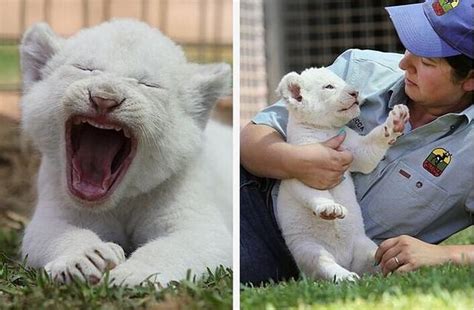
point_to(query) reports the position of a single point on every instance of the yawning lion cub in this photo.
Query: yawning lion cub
(133, 179)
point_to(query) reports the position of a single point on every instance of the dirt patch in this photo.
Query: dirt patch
(18, 169)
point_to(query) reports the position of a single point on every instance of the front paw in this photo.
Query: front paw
(345, 276)
(395, 124)
(86, 266)
(330, 211)
(131, 274)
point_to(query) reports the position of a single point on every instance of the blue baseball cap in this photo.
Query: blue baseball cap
(436, 28)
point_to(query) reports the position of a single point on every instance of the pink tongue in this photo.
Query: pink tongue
(92, 161)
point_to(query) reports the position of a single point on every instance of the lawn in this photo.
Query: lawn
(9, 66)
(445, 287)
(26, 288)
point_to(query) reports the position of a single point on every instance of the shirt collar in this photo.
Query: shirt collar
(397, 93)
(468, 112)
(398, 96)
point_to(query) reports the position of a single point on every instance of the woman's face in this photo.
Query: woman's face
(429, 83)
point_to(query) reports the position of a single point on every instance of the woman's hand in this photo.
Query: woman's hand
(265, 153)
(319, 165)
(405, 253)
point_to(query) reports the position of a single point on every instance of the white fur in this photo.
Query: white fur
(329, 249)
(172, 210)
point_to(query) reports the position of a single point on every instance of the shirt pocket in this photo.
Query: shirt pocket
(404, 201)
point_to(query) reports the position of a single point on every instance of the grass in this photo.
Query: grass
(9, 66)
(26, 288)
(209, 53)
(444, 287)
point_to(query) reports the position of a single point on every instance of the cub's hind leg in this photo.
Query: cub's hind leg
(364, 256)
(316, 262)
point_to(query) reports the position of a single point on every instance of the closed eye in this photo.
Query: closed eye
(150, 84)
(428, 61)
(329, 86)
(83, 68)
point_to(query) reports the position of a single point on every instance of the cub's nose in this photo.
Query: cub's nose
(354, 93)
(103, 105)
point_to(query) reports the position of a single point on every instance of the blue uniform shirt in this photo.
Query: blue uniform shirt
(424, 185)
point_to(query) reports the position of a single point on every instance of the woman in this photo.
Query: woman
(422, 192)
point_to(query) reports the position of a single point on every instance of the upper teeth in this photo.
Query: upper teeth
(78, 121)
(102, 126)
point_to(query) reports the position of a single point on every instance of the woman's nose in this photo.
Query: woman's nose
(406, 63)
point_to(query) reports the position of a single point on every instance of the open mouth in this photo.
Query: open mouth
(356, 103)
(98, 155)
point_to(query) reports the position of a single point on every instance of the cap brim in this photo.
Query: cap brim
(416, 32)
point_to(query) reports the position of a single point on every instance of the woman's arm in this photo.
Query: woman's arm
(405, 253)
(264, 152)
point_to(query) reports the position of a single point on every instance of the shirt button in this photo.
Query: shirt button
(452, 127)
(419, 184)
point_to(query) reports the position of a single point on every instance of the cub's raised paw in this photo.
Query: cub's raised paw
(86, 266)
(330, 211)
(395, 123)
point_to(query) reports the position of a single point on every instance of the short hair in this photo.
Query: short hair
(462, 66)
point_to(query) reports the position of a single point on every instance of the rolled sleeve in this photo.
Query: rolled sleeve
(275, 116)
(341, 65)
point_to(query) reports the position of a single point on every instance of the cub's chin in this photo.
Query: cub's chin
(349, 111)
(98, 155)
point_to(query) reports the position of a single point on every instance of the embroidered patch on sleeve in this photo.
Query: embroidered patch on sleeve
(437, 161)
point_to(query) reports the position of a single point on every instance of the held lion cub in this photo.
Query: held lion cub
(133, 179)
(320, 104)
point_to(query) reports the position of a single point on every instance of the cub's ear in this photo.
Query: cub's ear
(290, 88)
(207, 83)
(38, 45)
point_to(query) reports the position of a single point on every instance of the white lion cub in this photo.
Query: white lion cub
(320, 104)
(133, 179)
